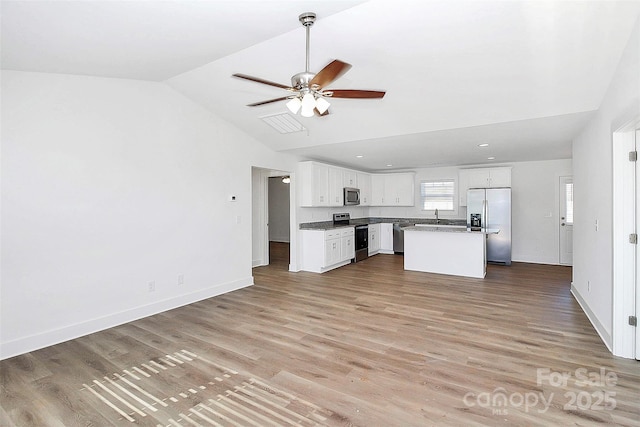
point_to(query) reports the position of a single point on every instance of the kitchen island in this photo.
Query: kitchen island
(446, 250)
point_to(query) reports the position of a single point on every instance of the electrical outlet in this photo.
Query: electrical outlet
(152, 286)
(588, 285)
(180, 279)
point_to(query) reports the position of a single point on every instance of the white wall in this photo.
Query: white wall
(535, 232)
(593, 188)
(108, 185)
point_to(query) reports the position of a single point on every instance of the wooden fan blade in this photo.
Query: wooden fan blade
(255, 104)
(263, 81)
(318, 113)
(331, 72)
(353, 93)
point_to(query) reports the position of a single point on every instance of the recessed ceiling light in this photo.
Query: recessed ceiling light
(483, 145)
(359, 156)
(389, 166)
(491, 158)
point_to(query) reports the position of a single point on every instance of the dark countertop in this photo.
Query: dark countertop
(404, 222)
(453, 230)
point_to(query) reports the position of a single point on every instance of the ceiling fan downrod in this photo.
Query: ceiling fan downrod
(307, 19)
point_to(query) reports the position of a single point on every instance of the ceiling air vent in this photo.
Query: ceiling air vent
(283, 123)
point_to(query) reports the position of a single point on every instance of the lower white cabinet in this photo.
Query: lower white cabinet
(374, 239)
(324, 250)
(386, 238)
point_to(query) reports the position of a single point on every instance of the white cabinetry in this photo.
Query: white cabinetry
(481, 178)
(377, 190)
(364, 184)
(324, 250)
(336, 193)
(349, 178)
(489, 177)
(374, 239)
(463, 186)
(394, 189)
(399, 189)
(347, 244)
(386, 238)
(320, 185)
(314, 184)
(332, 248)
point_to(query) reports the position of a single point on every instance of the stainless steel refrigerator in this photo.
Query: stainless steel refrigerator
(491, 208)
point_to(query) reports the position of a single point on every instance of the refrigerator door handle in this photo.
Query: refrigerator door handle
(485, 211)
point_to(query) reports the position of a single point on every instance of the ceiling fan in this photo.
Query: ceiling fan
(308, 89)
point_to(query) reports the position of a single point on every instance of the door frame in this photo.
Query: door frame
(623, 336)
(561, 203)
(260, 224)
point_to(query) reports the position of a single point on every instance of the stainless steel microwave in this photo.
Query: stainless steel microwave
(351, 196)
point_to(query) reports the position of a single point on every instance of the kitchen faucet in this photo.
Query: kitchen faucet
(437, 219)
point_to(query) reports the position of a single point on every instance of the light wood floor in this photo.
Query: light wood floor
(364, 345)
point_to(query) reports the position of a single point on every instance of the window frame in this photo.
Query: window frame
(454, 192)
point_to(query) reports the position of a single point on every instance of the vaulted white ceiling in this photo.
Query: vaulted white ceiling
(523, 76)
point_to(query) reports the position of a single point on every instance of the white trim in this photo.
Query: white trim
(600, 329)
(623, 295)
(56, 336)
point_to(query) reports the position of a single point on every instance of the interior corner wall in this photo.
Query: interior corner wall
(593, 189)
(116, 205)
(535, 206)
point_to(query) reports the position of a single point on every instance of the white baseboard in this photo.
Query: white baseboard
(48, 338)
(600, 329)
(535, 261)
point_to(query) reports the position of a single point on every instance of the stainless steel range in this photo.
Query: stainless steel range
(361, 232)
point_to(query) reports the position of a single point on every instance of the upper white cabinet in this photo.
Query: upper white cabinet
(500, 177)
(320, 185)
(364, 184)
(399, 189)
(393, 189)
(336, 187)
(489, 177)
(481, 178)
(349, 178)
(314, 184)
(377, 190)
(463, 186)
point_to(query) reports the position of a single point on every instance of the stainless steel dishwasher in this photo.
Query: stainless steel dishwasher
(398, 238)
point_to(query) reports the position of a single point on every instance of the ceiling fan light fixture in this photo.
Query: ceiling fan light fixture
(294, 105)
(310, 88)
(322, 105)
(308, 104)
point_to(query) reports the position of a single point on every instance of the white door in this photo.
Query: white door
(566, 220)
(637, 252)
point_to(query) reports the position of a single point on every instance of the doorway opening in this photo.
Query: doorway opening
(279, 221)
(566, 220)
(273, 218)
